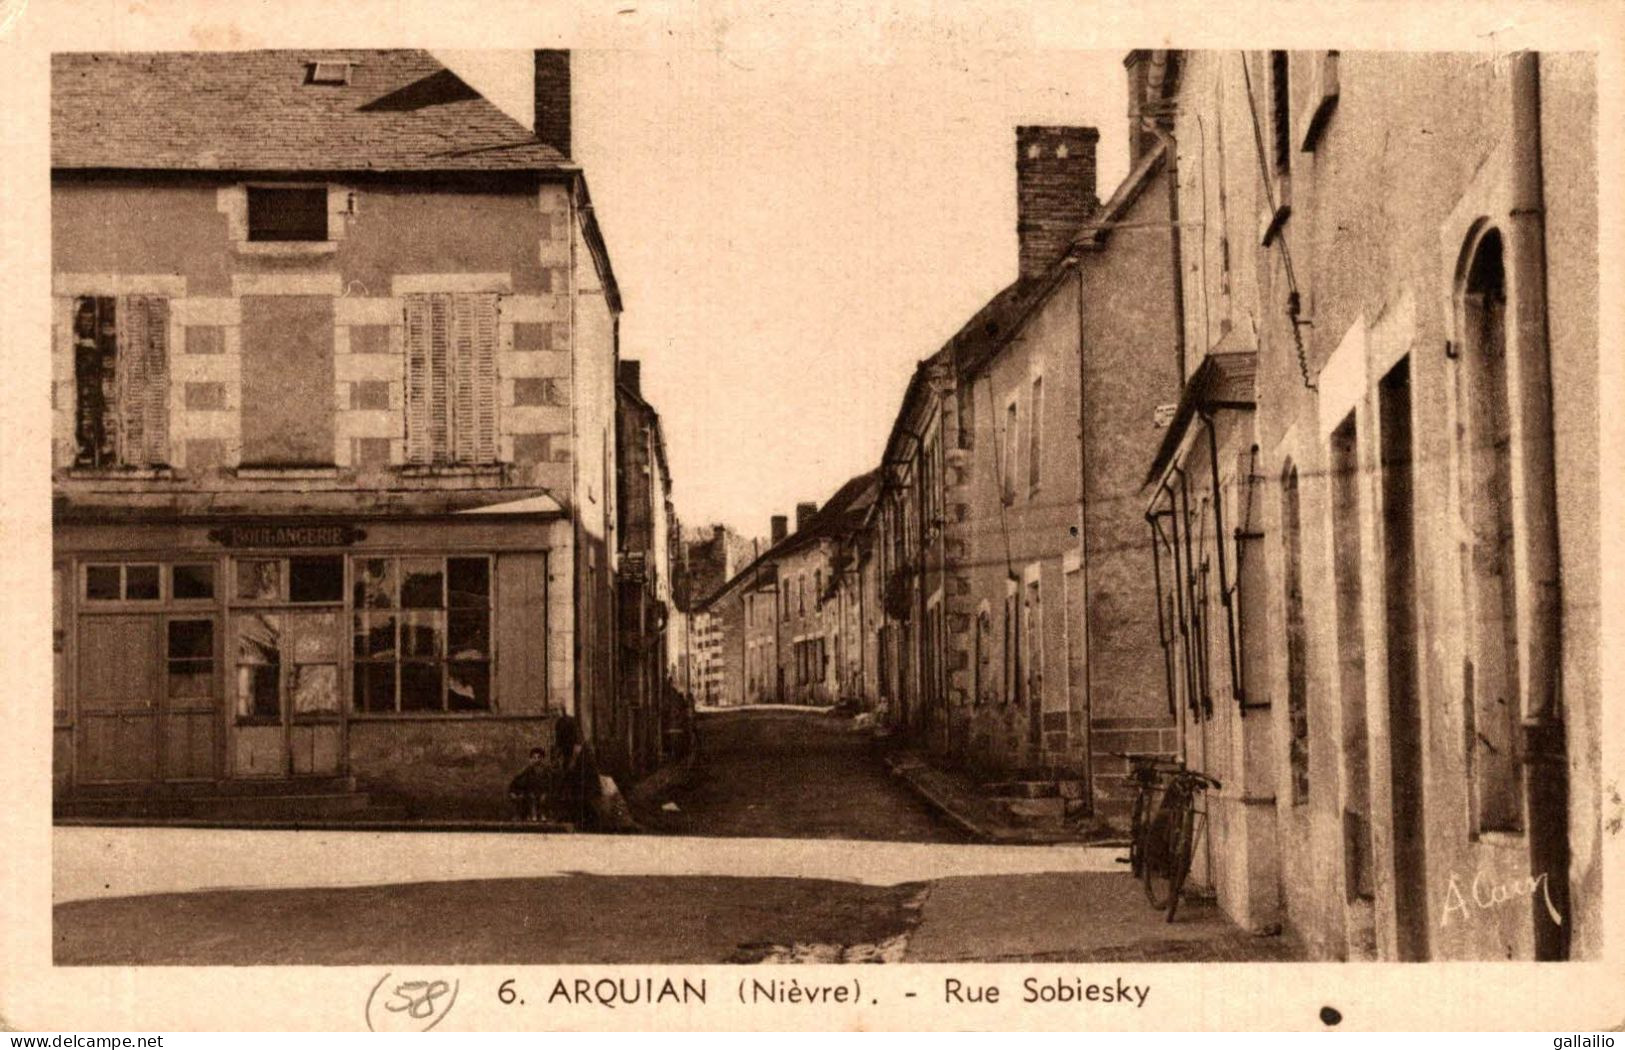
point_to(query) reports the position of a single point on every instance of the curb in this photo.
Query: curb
(976, 828)
(954, 816)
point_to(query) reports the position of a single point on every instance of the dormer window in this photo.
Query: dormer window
(328, 73)
(287, 213)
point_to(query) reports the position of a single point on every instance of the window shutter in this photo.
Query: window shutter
(462, 378)
(142, 380)
(439, 377)
(417, 379)
(485, 379)
(154, 402)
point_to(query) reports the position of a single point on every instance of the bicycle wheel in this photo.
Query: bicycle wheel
(1179, 857)
(1160, 859)
(1137, 828)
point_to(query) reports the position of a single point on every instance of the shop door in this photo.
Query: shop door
(189, 724)
(118, 699)
(288, 719)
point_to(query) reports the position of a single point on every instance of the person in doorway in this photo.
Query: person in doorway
(528, 789)
(575, 776)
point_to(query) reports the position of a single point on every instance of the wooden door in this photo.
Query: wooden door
(118, 699)
(189, 728)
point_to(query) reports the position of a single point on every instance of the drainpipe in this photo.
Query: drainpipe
(1540, 608)
(1084, 566)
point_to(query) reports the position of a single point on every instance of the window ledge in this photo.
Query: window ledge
(440, 716)
(453, 470)
(122, 473)
(287, 249)
(295, 473)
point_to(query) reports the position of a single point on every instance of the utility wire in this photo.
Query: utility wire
(1294, 302)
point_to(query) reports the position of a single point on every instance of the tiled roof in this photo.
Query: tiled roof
(255, 111)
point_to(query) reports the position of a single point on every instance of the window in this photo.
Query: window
(422, 634)
(121, 583)
(979, 662)
(1035, 428)
(121, 381)
(1012, 639)
(451, 381)
(1280, 111)
(1490, 672)
(1032, 644)
(328, 73)
(1011, 419)
(191, 582)
(1297, 683)
(287, 213)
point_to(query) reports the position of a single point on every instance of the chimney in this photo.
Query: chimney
(780, 528)
(804, 514)
(1055, 190)
(630, 375)
(552, 88)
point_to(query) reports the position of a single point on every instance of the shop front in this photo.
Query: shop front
(411, 655)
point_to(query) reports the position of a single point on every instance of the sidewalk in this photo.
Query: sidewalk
(963, 802)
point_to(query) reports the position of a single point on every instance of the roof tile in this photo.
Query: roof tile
(255, 111)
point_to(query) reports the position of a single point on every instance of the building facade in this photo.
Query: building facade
(333, 457)
(652, 719)
(1020, 637)
(1374, 518)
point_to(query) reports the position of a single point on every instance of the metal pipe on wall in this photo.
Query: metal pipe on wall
(1535, 510)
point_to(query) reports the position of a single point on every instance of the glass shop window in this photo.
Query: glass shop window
(422, 634)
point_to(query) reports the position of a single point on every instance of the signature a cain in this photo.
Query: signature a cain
(1486, 895)
(416, 1000)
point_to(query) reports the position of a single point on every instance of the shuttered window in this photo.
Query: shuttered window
(121, 380)
(297, 213)
(451, 380)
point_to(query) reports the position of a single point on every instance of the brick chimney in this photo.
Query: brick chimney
(804, 514)
(780, 528)
(552, 87)
(630, 375)
(1055, 190)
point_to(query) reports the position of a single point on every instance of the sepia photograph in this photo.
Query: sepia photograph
(967, 502)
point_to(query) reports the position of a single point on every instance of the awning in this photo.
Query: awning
(1224, 380)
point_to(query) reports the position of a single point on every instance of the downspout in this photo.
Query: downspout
(1540, 610)
(584, 718)
(1083, 562)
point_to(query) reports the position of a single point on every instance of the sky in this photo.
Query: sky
(792, 231)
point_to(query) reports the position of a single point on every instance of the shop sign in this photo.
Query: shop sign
(287, 535)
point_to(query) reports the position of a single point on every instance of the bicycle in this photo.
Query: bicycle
(1145, 773)
(1170, 837)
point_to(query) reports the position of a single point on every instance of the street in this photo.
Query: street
(781, 773)
(819, 855)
